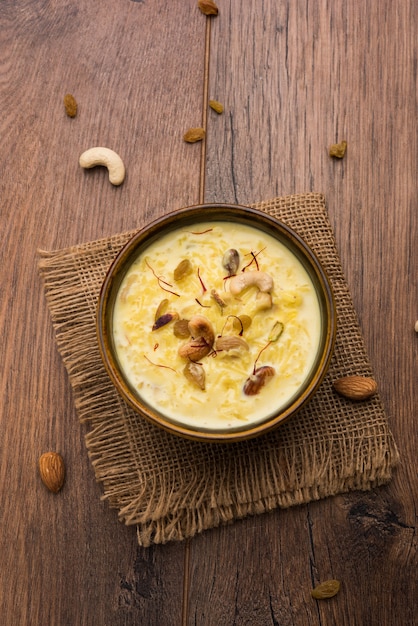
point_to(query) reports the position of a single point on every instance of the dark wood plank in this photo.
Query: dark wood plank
(296, 77)
(136, 71)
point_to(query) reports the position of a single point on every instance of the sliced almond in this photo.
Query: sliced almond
(195, 373)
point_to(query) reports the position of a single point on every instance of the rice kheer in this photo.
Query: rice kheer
(216, 326)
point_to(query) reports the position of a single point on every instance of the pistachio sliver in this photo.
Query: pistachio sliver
(276, 332)
(161, 308)
(164, 319)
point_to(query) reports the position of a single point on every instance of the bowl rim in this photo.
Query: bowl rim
(216, 212)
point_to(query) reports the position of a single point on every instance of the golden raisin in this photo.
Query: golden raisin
(194, 134)
(327, 589)
(181, 329)
(208, 7)
(183, 269)
(337, 150)
(70, 104)
(216, 106)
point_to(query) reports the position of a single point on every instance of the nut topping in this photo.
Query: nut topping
(261, 376)
(232, 342)
(215, 295)
(230, 261)
(262, 280)
(161, 309)
(202, 338)
(164, 319)
(195, 373)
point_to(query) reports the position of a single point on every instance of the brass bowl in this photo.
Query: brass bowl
(190, 218)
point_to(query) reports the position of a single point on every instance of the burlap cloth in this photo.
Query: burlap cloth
(173, 488)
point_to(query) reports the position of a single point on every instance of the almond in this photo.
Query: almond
(52, 470)
(231, 342)
(195, 374)
(258, 379)
(355, 387)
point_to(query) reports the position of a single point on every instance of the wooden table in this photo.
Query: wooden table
(294, 77)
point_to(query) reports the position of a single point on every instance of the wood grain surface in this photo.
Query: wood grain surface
(294, 77)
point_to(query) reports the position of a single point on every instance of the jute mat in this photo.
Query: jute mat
(171, 488)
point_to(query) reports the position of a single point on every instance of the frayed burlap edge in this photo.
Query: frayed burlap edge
(171, 488)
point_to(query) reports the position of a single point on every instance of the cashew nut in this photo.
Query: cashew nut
(200, 327)
(263, 301)
(108, 158)
(202, 338)
(244, 280)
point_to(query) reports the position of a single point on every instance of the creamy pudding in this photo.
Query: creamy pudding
(217, 326)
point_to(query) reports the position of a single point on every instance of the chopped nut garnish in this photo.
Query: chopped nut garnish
(276, 331)
(231, 342)
(195, 373)
(164, 319)
(202, 338)
(258, 379)
(262, 280)
(218, 299)
(161, 309)
(195, 350)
